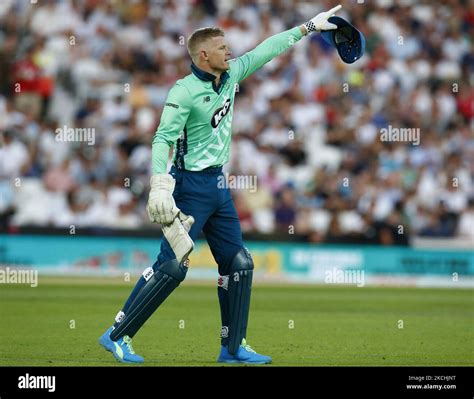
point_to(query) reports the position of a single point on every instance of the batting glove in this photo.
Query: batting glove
(320, 21)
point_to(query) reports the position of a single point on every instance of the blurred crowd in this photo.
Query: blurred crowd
(307, 125)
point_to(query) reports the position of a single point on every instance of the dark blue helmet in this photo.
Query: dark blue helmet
(349, 42)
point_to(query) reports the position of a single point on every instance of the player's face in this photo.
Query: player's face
(218, 53)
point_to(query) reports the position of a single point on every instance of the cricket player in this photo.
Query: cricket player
(197, 120)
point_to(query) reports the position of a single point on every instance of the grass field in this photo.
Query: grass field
(332, 325)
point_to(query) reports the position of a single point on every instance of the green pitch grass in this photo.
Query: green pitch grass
(59, 322)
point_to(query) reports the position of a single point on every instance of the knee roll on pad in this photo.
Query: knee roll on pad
(159, 284)
(239, 289)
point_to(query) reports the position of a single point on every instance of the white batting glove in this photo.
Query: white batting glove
(320, 21)
(161, 207)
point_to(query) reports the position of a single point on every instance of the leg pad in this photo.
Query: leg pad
(160, 283)
(239, 290)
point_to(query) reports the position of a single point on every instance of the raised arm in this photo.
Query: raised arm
(253, 60)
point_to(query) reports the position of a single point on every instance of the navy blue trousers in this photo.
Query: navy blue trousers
(204, 196)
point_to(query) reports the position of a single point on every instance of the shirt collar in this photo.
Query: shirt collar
(209, 77)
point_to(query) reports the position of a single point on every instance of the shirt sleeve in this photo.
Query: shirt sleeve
(267, 50)
(173, 120)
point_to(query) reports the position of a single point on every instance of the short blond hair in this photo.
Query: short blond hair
(199, 36)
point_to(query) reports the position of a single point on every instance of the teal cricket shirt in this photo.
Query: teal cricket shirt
(197, 116)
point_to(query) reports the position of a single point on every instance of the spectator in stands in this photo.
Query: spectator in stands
(311, 130)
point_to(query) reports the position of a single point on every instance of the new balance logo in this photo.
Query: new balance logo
(224, 332)
(206, 99)
(120, 316)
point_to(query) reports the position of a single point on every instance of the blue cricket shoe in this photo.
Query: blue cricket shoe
(245, 354)
(121, 349)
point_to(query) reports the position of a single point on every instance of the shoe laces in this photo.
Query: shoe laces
(128, 341)
(246, 346)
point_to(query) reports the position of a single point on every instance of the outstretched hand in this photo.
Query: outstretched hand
(320, 21)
